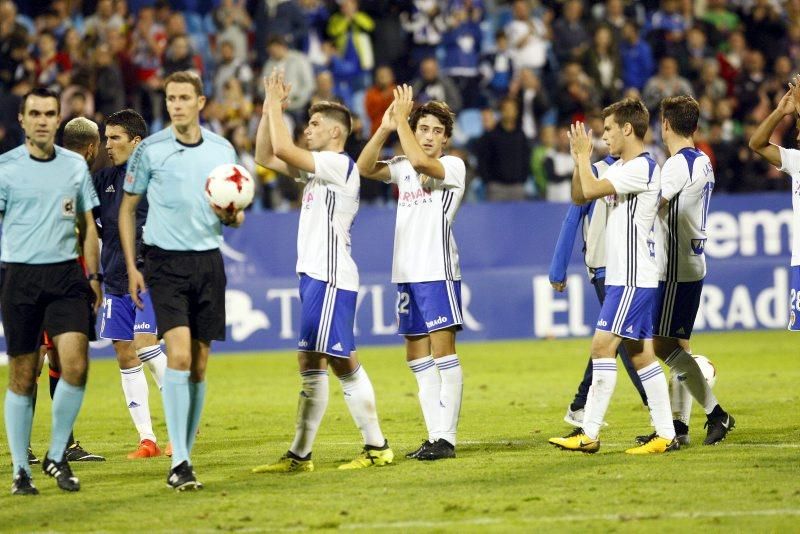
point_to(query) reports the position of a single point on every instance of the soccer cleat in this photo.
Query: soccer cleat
(288, 463)
(414, 454)
(656, 445)
(438, 450)
(182, 478)
(168, 450)
(371, 457)
(76, 453)
(32, 459)
(147, 449)
(577, 441)
(718, 428)
(681, 434)
(23, 485)
(574, 417)
(62, 473)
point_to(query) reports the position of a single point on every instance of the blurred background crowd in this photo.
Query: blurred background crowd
(516, 73)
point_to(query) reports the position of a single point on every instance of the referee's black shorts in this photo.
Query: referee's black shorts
(52, 296)
(187, 288)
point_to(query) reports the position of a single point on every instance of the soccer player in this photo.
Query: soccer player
(425, 265)
(788, 161)
(132, 330)
(687, 180)
(183, 266)
(44, 190)
(593, 217)
(328, 274)
(631, 188)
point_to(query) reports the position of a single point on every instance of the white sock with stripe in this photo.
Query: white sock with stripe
(655, 386)
(450, 396)
(430, 386)
(681, 362)
(311, 407)
(134, 385)
(156, 361)
(680, 399)
(604, 380)
(360, 398)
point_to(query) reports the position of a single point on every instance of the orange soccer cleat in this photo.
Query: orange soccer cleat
(146, 449)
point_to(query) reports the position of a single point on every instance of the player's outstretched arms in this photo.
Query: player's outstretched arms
(581, 148)
(127, 238)
(264, 152)
(368, 164)
(422, 162)
(759, 142)
(282, 142)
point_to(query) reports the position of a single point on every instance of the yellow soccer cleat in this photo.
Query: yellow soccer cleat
(286, 464)
(577, 441)
(656, 445)
(371, 457)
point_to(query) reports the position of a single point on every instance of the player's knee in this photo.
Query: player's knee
(75, 372)
(22, 383)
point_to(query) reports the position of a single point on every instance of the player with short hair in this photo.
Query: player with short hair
(328, 275)
(44, 190)
(631, 188)
(132, 330)
(425, 264)
(788, 161)
(687, 181)
(183, 266)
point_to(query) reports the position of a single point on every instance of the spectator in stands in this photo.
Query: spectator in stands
(52, 68)
(232, 23)
(547, 143)
(462, 47)
(528, 37)
(344, 68)
(109, 92)
(297, 72)
(570, 37)
(179, 56)
(558, 167)
(667, 82)
(379, 97)
(234, 105)
(433, 85)
(394, 42)
(748, 90)
(765, 29)
(576, 94)
(316, 14)
(496, 69)
(282, 18)
(350, 30)
(710, 83)
(666, 28)
(104, 19)
(149, 41)
(230, 66)
(611, 13)
(533, 102)
(603, 65)
(325, 91)
(638, 63)
(722, 19)
(426, 23)
(694, 54)
(507, 155)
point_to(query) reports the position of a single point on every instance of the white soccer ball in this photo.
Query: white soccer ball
(230, 187)
(709, 371)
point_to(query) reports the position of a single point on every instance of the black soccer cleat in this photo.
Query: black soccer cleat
(438, 450)
(718, 428)
(32, 459)
(182, 478)
(645, 438)
(23, 485)
(421, 448)
(62, 473)
(76, 453)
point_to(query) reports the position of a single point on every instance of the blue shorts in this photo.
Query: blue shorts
(794, 299)
(327, 318)
(122, 320)
(424, 307)
(676, 308)
(628, 311)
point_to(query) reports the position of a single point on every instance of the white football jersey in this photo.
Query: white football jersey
(594, 227)
(687, 180)
(330, 203)
(424, 247)
(790, 164)
(630, 243)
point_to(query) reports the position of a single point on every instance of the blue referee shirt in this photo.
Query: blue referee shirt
(173, 175)
(41, 201)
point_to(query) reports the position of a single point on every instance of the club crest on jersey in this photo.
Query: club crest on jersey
(791, 319)
(68, 207)
(129, 178)
(698, 246)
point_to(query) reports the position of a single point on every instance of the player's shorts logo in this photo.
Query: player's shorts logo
(698, 246)
(67, 207)
(141, 326)
(302, 344)
(436, 322)
(602, 322)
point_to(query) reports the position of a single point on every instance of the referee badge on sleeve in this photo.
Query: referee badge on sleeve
(68, 207)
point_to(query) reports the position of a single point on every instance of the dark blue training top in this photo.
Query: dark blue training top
(108, 183)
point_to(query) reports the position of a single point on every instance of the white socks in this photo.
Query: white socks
(450, 396)
(311, 407)
(360, 399)
(604, 380)
(655, 386)
(682, 363)
(134, 385)
(680, 398)
(156, 361)
(430, 386)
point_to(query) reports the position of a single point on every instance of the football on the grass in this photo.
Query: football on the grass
(709, 371)
(230, 187)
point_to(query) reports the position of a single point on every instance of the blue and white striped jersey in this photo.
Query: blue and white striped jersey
(687, 180)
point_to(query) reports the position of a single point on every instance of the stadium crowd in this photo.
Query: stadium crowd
(517, 73)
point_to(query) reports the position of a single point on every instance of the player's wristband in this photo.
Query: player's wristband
(95, 276)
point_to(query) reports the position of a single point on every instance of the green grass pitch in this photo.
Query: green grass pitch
(506, 476)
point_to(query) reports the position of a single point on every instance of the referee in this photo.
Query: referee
(44, 191)
(182, 262)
